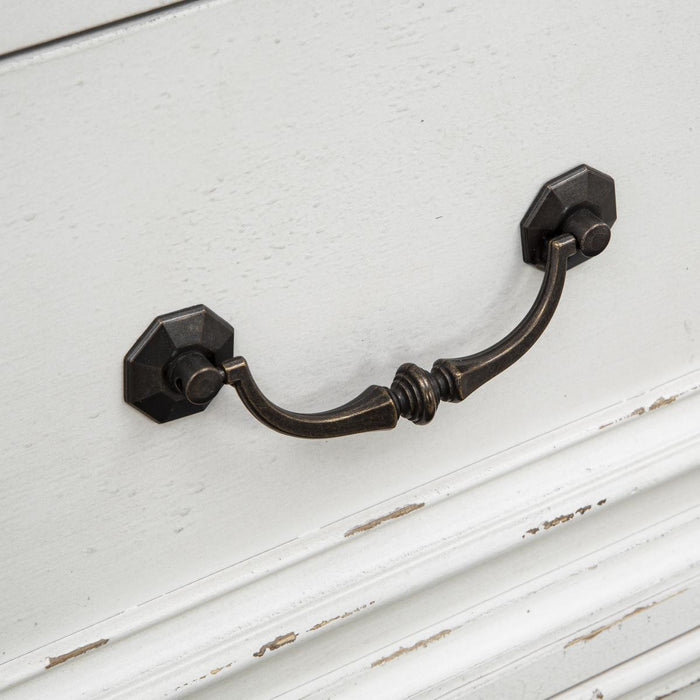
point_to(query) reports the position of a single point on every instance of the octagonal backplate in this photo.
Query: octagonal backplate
(146, 384)
(579, 188)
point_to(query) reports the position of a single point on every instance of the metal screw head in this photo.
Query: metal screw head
(187, 344)
(557, 205)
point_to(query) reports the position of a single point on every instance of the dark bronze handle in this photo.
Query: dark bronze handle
(182, 360)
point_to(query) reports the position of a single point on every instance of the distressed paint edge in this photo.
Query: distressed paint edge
(62, 658)
(132, 630)
(620, 620)
(375, 522)
(657, 673)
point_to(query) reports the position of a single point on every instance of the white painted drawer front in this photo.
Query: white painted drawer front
(344, 184)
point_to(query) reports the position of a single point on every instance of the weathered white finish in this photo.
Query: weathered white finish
(336, 181)
(481, 606)
(28, 22)
(672, 668)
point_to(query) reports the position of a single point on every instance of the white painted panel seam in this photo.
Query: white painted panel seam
(33, 24)
(24, 55)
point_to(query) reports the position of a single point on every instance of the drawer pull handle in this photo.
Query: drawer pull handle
(183, 358)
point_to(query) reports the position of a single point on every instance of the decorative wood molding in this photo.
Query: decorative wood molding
(670, 668)
(554, 555)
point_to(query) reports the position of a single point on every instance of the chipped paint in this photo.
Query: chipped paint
(55, 660)
(548, 524)
(619, 621)
(678, 690)
(404, 650)
(213, 672)
(637, 412)
(319, 625)
(389, 516)
(662, 401)
(276, 643)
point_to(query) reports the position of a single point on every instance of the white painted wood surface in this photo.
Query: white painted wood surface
(25, 23)
(335, 181)
(672, 668)
(453, 596)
